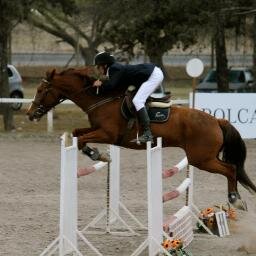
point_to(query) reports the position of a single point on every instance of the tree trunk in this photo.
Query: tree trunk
(157, 58)
(254, 44)
(88, 54)
(221, 56)
(6, 109)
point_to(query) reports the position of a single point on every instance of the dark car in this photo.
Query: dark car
(240, 80)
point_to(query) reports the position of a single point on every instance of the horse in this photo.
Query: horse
(202, 136)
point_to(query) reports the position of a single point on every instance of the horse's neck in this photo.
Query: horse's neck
(82, 100)
(85, 97)
(88, 101)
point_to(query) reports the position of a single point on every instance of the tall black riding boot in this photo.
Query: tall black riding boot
(145, 122)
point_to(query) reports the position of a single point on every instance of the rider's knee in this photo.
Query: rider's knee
(138, 103)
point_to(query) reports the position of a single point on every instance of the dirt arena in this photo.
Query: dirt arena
(29, 199)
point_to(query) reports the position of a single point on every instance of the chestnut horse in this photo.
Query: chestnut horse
(199, 134)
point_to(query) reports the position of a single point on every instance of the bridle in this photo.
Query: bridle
(40, 108)
(47, 88)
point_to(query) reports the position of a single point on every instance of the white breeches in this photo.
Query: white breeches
(147, 88)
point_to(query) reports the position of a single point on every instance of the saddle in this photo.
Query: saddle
(158, 108)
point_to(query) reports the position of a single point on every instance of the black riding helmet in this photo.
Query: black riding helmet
(104, 58)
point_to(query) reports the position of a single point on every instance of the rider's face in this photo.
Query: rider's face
(102, 69)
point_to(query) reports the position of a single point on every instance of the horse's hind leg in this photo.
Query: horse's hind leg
(229, 171)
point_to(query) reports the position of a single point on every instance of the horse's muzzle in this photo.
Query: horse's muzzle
(36, 116)
(35, 113)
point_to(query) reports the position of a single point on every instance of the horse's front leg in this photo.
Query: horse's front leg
(95, 136)
(80, 131)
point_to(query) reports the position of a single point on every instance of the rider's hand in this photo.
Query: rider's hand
(97, 83)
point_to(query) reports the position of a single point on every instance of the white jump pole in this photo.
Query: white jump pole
(155, 205)
(66, 242)
(155, 191)
(50, 121)
(114, 188)
(190, 189)
(68, 197)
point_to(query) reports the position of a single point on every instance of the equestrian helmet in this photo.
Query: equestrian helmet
(104, 58)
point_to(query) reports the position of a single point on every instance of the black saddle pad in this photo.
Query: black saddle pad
(156, 115)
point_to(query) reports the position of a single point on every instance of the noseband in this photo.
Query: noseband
(40, 108)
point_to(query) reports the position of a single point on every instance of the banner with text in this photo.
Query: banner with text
(238, 108)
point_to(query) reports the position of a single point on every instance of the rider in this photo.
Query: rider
(145, 77)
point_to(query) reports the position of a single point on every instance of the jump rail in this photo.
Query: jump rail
(67, 242)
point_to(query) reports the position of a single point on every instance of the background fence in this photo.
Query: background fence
(61, 59)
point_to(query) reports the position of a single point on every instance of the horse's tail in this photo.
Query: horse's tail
(234, 152)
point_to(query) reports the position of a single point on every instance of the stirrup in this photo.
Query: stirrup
(139, 139)
(145, 138)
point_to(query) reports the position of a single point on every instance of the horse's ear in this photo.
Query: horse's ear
(50, 74)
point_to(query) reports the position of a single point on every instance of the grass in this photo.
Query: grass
(68, 117)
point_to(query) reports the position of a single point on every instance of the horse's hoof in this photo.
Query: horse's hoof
(92, 153)
(235, 199)
(240, 204)
(104, 158)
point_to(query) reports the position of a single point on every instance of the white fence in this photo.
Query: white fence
(50, 113)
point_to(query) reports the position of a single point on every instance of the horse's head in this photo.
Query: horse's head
(56, 87)
(47, 96)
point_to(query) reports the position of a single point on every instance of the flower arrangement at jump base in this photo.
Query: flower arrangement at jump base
(175, 247)
(209, 216)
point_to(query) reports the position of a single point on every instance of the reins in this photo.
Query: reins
(97, 104)
(42, 109)
(102, 102)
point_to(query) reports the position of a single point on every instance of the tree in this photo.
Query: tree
(249, 10)
(10, 13)
(80, 26)
(220, 47)
(98, 23)
(154, 26)
(222, 18)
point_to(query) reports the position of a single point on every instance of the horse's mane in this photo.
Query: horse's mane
(66, 71)
(89, 74)
(84, 71)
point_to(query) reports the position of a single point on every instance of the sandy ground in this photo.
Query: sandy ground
(29, 199)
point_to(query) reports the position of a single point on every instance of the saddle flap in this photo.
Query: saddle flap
(158, 108)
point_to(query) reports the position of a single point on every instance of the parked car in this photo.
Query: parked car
(15, 86)
(240, 80)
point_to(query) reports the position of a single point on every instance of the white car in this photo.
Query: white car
(15, 86)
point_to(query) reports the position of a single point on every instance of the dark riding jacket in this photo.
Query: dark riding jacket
(126, 75)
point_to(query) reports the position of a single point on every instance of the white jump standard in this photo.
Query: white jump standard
(155, 206)
(66, 242)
